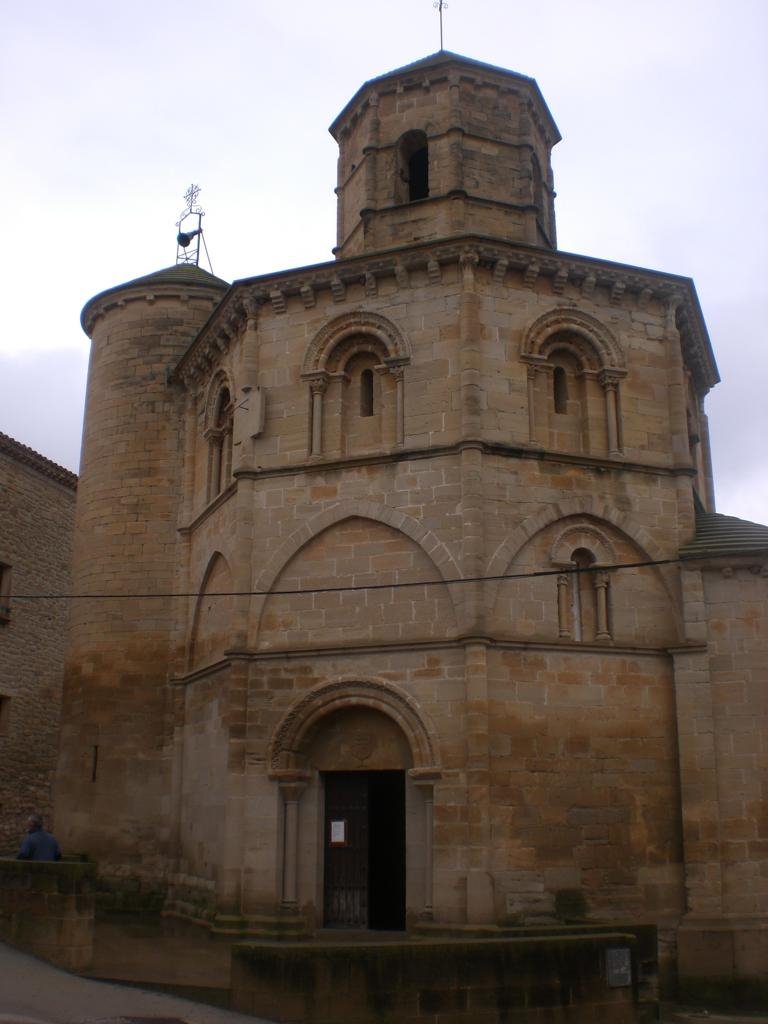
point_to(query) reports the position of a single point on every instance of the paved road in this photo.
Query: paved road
(34, 992)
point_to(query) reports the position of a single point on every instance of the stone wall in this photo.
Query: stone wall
(37, 502)
(737, 613)
(47, 908)
(547, 978)
(723, 715)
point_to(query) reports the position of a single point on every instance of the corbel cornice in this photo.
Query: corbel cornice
(513, 265)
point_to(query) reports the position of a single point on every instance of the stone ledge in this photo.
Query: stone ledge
(47, 908)
(560, 977)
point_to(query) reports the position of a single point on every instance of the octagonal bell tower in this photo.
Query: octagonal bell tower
(443, 147)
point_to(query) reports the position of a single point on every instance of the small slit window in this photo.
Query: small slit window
(366, 393)
(560, 389)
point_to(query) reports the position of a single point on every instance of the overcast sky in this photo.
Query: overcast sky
(111, 110)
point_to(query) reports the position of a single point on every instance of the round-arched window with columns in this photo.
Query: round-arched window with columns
(575, 366)
(583, 587)
(354, 368)
(218, 434)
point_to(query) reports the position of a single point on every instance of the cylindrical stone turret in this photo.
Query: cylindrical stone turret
(113, 758)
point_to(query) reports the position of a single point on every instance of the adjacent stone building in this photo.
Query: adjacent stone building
(37, 513)
(419, 609)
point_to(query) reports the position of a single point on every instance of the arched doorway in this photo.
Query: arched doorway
(356, 769)
(362, 757)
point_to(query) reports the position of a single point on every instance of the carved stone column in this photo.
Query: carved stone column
(399, 376)
(317, 389)
(425, 780)
(532, 404)
(563, 603)
(610, 385)
(600, 582)
(292, 785)
(578, 631)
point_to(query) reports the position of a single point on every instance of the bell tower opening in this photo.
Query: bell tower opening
(414, 166)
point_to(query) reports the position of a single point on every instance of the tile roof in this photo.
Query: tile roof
(434, 60)
(725, 535)
(180, 273)
(29, 457)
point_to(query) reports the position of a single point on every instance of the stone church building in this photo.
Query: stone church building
(410, 600)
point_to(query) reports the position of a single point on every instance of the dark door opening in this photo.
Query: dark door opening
(364, 876)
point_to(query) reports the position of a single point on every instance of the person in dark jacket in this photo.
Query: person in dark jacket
(38, 844)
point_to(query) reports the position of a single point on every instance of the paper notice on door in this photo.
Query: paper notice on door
(339, 832)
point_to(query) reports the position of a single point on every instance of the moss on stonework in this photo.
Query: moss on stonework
(285, 929)
(128, 895)
(307, 952)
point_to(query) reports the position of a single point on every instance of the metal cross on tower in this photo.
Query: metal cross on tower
(439, 5)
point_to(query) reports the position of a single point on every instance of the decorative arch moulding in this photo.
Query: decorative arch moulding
(434, 549)
(566, 327)
(582, 535)
(220, 380)
(384, 335)
(305, 714)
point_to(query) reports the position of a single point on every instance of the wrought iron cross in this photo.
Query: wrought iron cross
(439, 5)
(191, 196)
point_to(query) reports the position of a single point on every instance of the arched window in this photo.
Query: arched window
(220, 444)
(413, 158)
(578, 410)
(353, 411)
(583, 553)
(366, 393)
(583, 605)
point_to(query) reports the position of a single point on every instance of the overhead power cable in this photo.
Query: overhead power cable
(454, 581)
